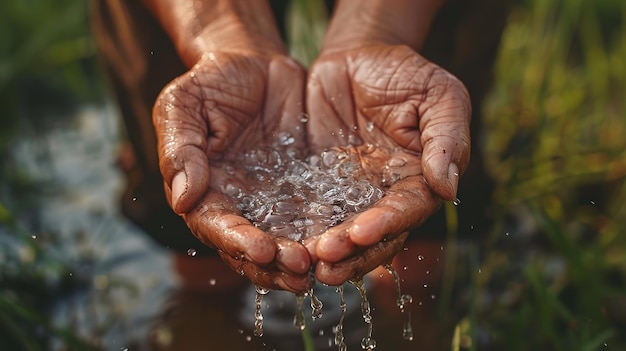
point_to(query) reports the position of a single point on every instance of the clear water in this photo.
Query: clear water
(296, 198)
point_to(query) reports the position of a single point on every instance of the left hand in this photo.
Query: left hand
(413, 111)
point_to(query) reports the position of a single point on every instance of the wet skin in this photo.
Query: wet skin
(387, 95)
(230, 102)
(226, 103)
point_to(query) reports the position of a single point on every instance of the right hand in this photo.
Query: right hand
(227, 103)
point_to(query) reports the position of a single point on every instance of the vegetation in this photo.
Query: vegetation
(553, 273)
(557, 149)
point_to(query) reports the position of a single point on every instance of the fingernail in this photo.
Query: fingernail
(179, 186)
(453, 177)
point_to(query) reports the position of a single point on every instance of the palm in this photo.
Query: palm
(415, 112)
(215, 112)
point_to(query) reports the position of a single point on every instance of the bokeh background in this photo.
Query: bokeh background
(550, 276)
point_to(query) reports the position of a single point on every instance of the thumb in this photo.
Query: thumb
(182, 141)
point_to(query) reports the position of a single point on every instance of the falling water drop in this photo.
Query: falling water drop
(369, 126)
(299, 318)
(258, 314)
(456, 201)
(191, 252)
(339, 338)
(367, 343)
(403, 301)
(316, 306)
(303, 117)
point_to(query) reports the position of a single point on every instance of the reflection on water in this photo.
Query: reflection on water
(78, 216)
(129, 297)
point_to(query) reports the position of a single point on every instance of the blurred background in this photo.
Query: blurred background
(551, 275)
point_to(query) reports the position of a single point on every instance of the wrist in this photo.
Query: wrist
(198, 28)
(358, 23)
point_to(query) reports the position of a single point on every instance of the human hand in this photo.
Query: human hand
(214, 112)
(417, 115)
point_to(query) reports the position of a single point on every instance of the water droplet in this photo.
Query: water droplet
(420, 257)
(369, 126)
(433, 296)
(212, 281)
(33, 236)
(456, 201)
(134, 199)
(258, 315)
(123, 348)
(338, 329)
(299, 317)
(367, 343)
(396, 162)
(169, 107)
(248, 338)
(286, 139)
(191, 252)
(316, 306)
(303, 117)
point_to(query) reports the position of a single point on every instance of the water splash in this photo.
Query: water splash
(295, 198)
(403, 301)
(316, 306)
(299, 317)
(367, 343)
(258, 314)
(338, 330)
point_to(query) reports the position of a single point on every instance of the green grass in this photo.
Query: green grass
(556, 122)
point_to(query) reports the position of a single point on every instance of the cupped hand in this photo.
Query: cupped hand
(417, 116)
(226, 104)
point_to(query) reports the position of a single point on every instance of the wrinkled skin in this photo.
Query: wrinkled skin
(225, 104)
(230, 102)
(416, 108)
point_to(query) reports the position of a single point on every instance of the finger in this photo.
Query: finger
(263, 277)
(336, 273)
(310, 243)
(292, 257)
(407, 204)
(286, 100)
(216, 223)
(444, 122)
(181, 140)
(330, 106)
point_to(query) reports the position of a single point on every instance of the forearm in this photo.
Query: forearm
(198, 27)
(397, 22)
